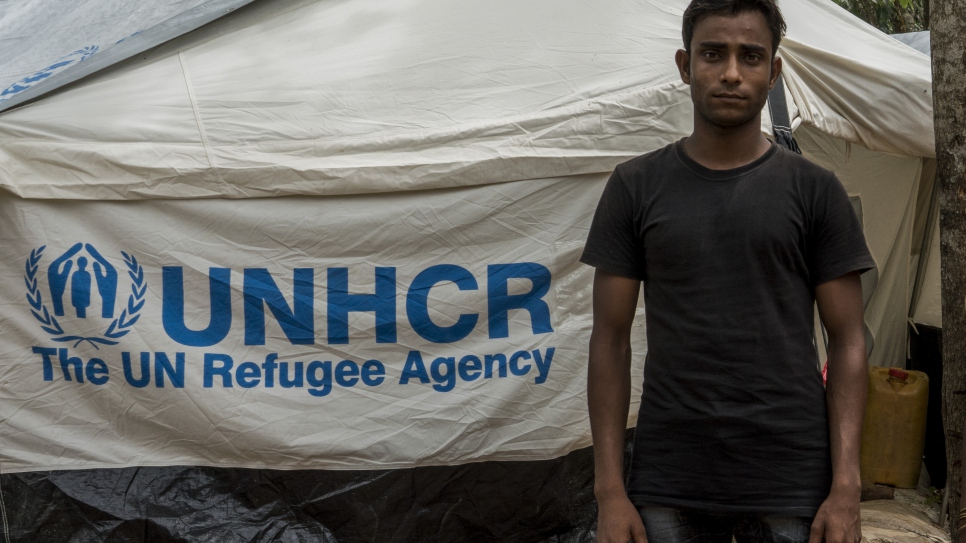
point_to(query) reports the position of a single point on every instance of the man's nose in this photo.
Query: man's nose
(732, 70)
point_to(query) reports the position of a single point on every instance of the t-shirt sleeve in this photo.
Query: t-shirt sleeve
(837, 243)
(612, 244)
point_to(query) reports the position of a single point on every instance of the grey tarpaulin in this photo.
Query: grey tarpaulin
(547, 501)
(47, 44)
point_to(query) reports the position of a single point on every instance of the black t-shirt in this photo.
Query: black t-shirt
(733, 415)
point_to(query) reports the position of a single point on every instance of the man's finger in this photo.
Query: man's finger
(637, 534)
(818, 530)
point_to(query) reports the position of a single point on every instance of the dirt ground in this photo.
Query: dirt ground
(911, 517)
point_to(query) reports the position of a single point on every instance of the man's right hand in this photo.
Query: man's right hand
(618, 521)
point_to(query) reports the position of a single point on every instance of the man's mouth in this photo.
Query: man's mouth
(729, 96)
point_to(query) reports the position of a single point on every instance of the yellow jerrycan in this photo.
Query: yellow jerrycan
(894, 430)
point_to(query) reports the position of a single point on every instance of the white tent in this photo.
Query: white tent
(398, 135)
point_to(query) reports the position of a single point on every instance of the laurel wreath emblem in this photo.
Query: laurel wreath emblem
(118, 328)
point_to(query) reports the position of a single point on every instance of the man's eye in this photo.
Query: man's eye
(711, 54)
(754, 57)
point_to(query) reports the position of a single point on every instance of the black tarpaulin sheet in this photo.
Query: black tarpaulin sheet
(541, 501)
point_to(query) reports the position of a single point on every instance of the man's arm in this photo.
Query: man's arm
(840, 306)
(608, 398)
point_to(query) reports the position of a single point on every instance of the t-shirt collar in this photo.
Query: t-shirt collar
(721, 175)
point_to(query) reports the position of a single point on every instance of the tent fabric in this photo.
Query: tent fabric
(331, 98)
(917, 40)
(290, 139)
(529, 406)
(48, 45)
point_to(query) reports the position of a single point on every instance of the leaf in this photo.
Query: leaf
(131, 322)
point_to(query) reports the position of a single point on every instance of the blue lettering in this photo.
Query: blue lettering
(500, 302)
(489, 360)
(543, 364)
(373, 373)
(96, 371)
(269, 366)
(46, 353)
(162, 367)
(470, 368)
(298, 324)
(224, 370)
(416, 304)
(172, 307)
(414, 369)
(323, 385)
(347, 373)
(248, 374)
(445, 381)
(296, 380)
(145, 378)
(341, 303)
(515, 368)
(71, 361)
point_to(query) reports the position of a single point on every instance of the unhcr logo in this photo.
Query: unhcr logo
(84, 290)
(75, 280)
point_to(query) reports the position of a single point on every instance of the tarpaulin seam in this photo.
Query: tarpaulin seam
(201, 127)
(3, 513)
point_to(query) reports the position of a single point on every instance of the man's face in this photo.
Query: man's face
(730, 68)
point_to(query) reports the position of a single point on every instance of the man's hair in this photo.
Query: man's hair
(701, 8)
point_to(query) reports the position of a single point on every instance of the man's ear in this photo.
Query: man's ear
(683, 60)
(776, 70)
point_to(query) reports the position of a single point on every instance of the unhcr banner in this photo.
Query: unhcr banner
(392, 330)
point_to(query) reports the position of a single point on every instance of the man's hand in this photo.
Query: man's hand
(618, 521)
(837, 520)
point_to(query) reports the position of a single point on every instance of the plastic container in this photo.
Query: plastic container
(895, 427)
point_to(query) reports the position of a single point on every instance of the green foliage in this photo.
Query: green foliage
(889, 16)
(934, 496)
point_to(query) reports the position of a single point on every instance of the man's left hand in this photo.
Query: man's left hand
(837, 520)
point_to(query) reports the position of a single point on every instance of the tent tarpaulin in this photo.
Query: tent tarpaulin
(48, 45)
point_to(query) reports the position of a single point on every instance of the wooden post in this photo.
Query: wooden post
(948, 28)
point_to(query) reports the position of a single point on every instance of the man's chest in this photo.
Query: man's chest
(721, 226)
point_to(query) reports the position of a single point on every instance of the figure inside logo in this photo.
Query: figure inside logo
(105, 276)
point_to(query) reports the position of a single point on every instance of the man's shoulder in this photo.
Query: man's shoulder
(793, 162)
(657, 159)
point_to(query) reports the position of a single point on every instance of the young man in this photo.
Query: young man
(734, 240)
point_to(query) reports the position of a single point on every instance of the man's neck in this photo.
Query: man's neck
(726, 148)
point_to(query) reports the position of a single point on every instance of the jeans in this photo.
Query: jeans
(668, 525)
